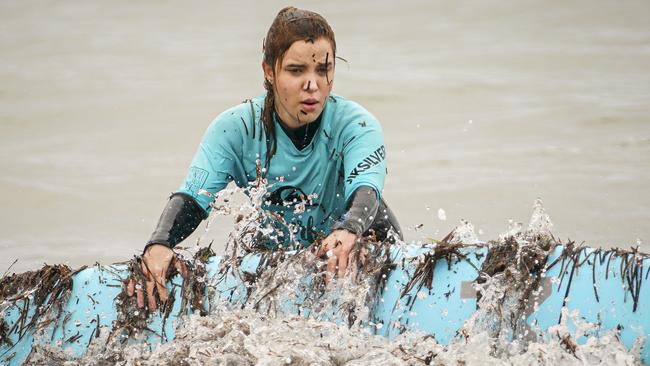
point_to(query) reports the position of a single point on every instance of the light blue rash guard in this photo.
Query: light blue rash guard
(346, 152)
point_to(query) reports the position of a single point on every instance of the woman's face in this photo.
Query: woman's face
(302, 81)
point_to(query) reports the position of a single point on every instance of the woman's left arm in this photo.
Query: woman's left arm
(364, 166)
(340, 244)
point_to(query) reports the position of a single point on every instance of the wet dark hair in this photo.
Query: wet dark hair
(290, 25)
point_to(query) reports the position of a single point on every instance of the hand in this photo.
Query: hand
(155, 262)
(340, 249)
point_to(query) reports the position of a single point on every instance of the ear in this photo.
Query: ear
(268, 71)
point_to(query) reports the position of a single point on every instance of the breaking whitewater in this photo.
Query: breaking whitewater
(244, 337)
(255, 333)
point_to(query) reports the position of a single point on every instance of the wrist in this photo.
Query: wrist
(349, 226)
(345, 234)
(156, 248)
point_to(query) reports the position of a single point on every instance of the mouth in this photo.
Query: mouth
(309, 105)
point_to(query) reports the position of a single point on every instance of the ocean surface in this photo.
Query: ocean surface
(485, 105)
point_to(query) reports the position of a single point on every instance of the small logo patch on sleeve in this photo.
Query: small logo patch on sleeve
(195, 179)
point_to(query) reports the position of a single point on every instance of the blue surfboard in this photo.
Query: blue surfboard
(422, 292)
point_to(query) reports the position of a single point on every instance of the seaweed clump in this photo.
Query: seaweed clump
(448, 249)
(510, 277)
(194, 289)
(521, 265)
(132, 321)
(42, 293)
(4, 330)
(630, 269)
(517, 267)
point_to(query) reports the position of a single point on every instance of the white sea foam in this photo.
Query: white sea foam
(246, 337)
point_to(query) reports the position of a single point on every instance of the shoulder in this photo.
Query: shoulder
(238, 118)
(348, 115)
(247, 110)
(346, 108)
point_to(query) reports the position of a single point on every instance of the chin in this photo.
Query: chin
(309, 117)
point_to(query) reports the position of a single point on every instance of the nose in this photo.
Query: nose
(310, 84)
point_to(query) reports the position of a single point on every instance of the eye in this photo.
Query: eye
(294, 70)
(323, 69)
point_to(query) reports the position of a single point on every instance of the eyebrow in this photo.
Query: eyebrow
(295, 65)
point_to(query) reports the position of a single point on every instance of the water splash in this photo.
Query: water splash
(514, 230)
(464, 234)
(540, 222)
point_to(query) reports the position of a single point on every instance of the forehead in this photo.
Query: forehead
(305, 51)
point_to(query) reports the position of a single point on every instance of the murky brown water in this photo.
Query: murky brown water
(486, 106)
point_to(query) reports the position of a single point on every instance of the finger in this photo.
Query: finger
(139, 292)
(322, 250)
(343, 263)
(160, 286)
(150, 285)
(130, 287)
(352, 262)
(139, 295)
(363, 256)
(159, 278)
(331, 269)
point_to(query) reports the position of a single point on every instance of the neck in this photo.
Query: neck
(290, 123)
(300, 136)
(293, 125)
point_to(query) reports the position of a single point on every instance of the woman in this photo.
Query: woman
(323, 156)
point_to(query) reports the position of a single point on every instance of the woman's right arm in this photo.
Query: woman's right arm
(211, 170)
(180, 217)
